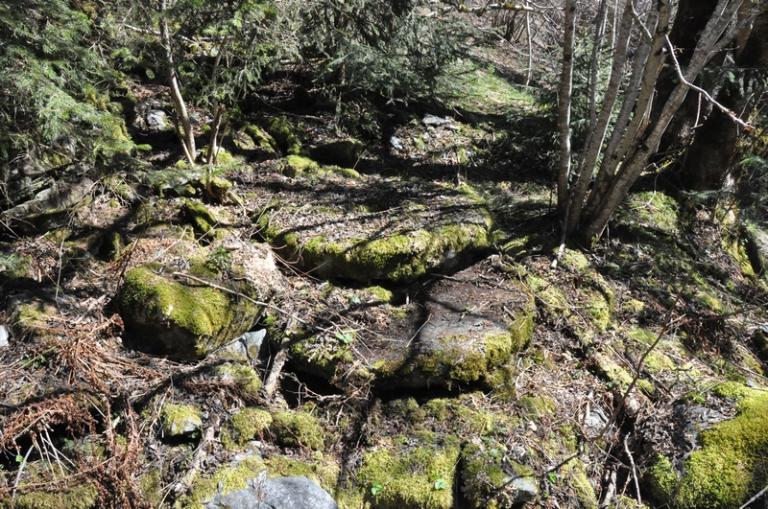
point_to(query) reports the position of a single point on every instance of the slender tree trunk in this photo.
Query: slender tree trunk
(598, 131)
(213, 146)
(594, 69)
(184, 127)
(529, 40)
(564, 109)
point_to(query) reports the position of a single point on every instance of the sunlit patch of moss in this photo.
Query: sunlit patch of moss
(538, 406)
(483, 90)
(82, 496)
(651, 209)
(411, 472)
(281, 129)
(575, 475)
(297, 429)
(729, 466)
(249, 423)
(323, 472)
(180, 420)
(619, 376)
(224, 480)
(243, 376)
(151, 487)
(203, 316)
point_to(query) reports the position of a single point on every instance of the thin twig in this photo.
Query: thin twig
(730, 114)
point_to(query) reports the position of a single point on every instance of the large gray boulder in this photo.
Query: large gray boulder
(276, 493)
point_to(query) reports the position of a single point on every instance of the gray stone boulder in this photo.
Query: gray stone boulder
(276, 493)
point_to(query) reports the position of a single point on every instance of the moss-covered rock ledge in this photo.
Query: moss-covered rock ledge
(368, 228)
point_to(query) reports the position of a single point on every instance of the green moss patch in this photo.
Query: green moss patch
(729, 466)
(491, 480)
(411, 472)
(348, 233)
(179, 420)
(297, 429)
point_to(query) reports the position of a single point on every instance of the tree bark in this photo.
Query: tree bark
(184, 124)
(719, 31)
(598, 130)
(564, 109)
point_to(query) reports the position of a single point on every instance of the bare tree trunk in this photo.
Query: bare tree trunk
(598, 132)
(719, 31)
(564, 110)
(597, 44)
(213, 146)
(529, 39)
(186, 132)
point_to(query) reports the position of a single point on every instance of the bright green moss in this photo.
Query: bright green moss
(651, 209)
(325, 473)
(458, 413)
(250, 423)
(644, 336)
(180, 420)
(242, 375)
(538, 406)
(298, 165)
(203, 220)
(261, 139)
(151, 487)
(729, 466)
(411, 472)
(297, 429)
(618, 376)
(83, 496)
(575, 261)
(183, 305)
(575, 474)
(549, 295)
(380, 293)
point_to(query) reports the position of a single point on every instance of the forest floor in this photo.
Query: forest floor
(434, 357)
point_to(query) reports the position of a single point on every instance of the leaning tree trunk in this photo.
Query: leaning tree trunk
(183, 122)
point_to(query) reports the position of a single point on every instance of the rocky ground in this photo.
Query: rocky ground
(384, 323)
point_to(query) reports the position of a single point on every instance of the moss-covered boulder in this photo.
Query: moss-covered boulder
(254, 139)
(757, 247)
(474, 326)
(372, 228)
(178, 318)
(300, 166)
(188, 314)
(285, 136)
(490, 479)
(411, 472)
(728, 466)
